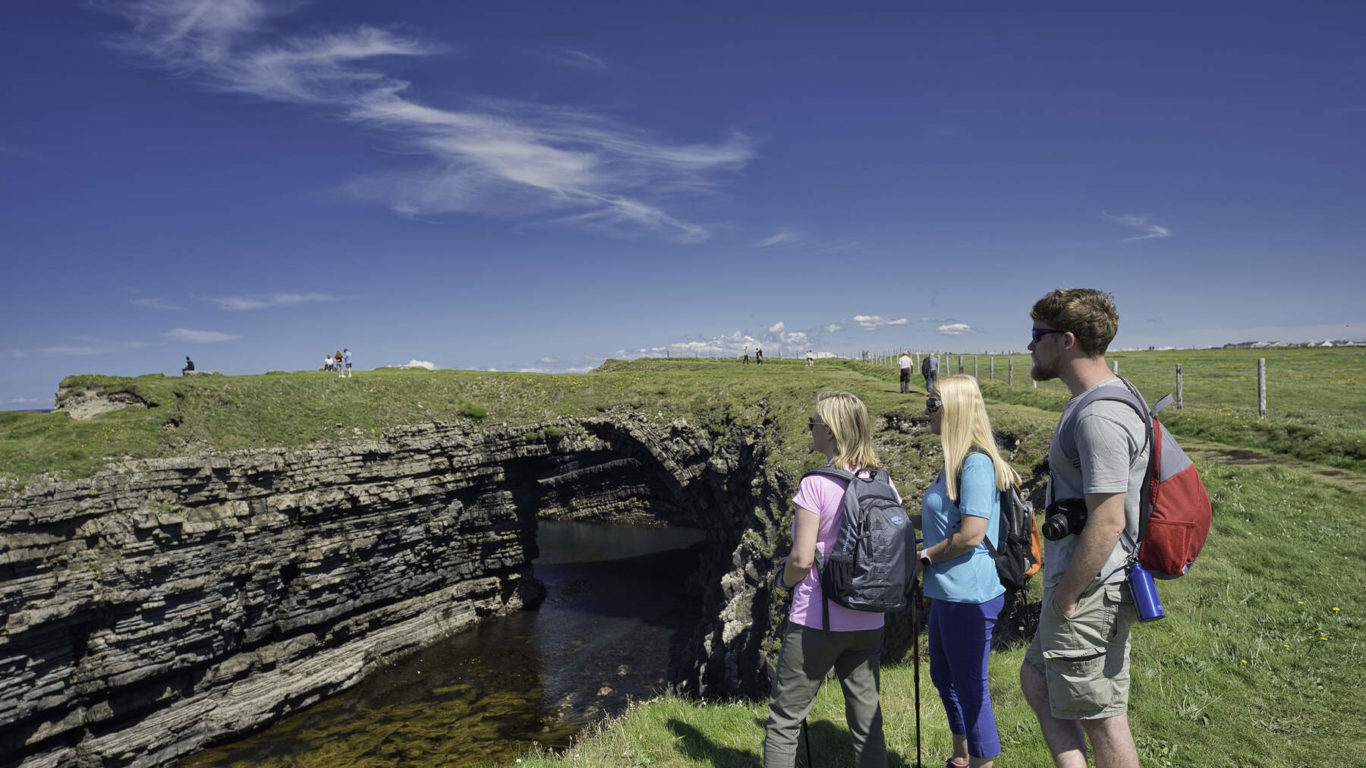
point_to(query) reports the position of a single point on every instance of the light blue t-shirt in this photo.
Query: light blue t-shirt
(970, 577)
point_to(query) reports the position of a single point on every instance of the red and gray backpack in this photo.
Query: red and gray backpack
(1174, 509)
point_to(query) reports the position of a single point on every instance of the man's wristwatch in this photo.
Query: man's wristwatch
(924, 559)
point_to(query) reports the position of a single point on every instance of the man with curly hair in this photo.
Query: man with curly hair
(1076, 672)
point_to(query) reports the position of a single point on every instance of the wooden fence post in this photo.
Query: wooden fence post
(1180, 401)
(993, 367)
(1010, 371)
(974, 367)
(960, 365)
(1114, 366)
(1261, 386)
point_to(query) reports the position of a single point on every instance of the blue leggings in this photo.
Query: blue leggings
(960, 643)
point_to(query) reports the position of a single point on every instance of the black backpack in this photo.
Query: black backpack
(1019, 550)
(869, 568)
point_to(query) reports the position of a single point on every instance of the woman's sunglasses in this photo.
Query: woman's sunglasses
(932, 404)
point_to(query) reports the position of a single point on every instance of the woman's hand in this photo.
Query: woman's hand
(778, 571)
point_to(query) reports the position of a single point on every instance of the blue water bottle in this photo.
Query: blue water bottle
(1146, 601)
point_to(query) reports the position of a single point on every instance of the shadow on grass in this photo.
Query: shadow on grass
(830, 747)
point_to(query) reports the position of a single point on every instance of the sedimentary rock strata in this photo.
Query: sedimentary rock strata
(163, 604)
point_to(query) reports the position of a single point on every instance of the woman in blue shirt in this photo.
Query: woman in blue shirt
(959, 514)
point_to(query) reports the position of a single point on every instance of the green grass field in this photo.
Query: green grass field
(1259, 662)
(1316, 398)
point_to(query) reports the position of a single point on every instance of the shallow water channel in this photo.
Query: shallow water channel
(617, 602)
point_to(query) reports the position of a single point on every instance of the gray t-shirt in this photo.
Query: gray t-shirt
(1112, 445)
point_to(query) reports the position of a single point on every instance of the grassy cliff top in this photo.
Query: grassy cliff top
(224, 413)
(1316, 398)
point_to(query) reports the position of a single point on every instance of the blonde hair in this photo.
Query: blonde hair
(847, 418)
(964, 426)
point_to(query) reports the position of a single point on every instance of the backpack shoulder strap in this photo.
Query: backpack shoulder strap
(1130, 396)
(829, 471)
(848, 477)
(1000, 515)
(1067, 425)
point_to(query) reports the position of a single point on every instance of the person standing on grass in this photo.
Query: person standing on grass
(346, 360)
(904, 363)
(852, 643)
(929, 368)
(810, 358)
(189, 366)
(959, 515)
(1075, 674)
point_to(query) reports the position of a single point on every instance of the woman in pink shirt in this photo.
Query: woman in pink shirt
(852, 643)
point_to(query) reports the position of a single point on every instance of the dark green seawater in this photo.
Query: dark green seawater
(617, 604)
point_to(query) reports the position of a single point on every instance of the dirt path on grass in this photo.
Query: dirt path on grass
(1223, 454)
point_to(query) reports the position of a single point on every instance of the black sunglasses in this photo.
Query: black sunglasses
(1038, 333)
(933, 404)
(812, 423)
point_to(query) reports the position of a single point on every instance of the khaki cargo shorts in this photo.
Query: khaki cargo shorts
(1085, 659)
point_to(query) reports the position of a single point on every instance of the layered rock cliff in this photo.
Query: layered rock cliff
(163, 604)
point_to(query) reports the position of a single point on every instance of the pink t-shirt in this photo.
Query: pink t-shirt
(825, 496)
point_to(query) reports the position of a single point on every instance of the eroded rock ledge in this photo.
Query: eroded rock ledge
(163, 604)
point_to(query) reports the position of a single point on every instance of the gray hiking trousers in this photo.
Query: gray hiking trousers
(807, 655)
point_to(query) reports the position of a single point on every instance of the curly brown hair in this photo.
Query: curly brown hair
(1089, 314)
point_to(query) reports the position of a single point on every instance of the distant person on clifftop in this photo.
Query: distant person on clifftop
(746, 357)
(327, 362)
(930, 370)
(810, 358)
(189, 366)
(852, 643)
(904, 363)
(759, 356)
(346, 359)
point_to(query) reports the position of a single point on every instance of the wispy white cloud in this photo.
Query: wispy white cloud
(266, 301)
(873, 322)
(418, 364)
(24, 400)
(84, 346)
(191, 336)
(67, 351)
(955, 329)
(784, 236)
(153, 303)
(579, 60)
(1146, 229)
(500, 158)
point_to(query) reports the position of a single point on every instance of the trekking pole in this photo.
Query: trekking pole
(915, 661)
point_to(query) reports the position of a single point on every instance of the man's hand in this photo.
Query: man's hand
(1097, 540)
(1065, 608)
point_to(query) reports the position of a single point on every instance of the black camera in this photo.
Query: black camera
(1065, 517)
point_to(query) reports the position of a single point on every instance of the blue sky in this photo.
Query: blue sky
(519, 185)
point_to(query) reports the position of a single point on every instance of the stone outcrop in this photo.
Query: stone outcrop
(87, 402)
(163, 604)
